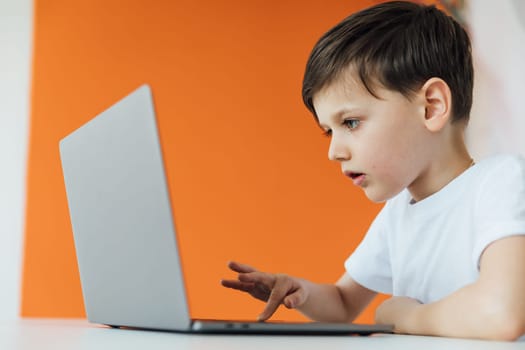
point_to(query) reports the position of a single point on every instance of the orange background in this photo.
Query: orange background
(246, 163)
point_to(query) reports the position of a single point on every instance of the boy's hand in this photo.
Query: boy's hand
(397, 311)
(274, 289)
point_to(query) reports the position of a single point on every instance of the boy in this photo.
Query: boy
(392, 87)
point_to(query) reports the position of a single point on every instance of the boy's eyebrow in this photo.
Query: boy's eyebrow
(344, 110)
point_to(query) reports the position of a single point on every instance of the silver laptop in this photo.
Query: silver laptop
(124, 233)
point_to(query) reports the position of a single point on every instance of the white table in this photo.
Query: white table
(59, 334)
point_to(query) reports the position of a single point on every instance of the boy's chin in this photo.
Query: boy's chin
(378, 196)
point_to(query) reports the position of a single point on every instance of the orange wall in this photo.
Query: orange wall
(246, 163)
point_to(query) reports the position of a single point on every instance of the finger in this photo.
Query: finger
(234, 284)
(241, 268)
(276, 298)
(271, 306)
(266, 279)
(295, 299)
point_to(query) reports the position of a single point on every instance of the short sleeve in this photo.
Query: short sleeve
(369, 265)
(500, 210)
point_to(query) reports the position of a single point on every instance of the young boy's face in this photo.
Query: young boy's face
(381, 143)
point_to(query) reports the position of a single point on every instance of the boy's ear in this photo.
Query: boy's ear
(438, 103)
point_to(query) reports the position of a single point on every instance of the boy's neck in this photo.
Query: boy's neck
(451, 160)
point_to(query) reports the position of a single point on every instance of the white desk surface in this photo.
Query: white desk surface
(59, 334)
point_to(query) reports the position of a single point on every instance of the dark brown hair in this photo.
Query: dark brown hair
(399, 45)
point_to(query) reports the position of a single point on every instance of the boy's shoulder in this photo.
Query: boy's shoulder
(502, 166)
(497, 173)
(502, 160)
(498, 179)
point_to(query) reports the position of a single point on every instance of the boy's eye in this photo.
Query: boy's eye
(351, 123)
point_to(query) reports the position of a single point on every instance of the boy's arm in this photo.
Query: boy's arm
(341, 302)
(491, 308)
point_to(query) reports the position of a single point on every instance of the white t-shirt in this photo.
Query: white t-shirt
(430, 249)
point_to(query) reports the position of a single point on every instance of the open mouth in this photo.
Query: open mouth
(353, 175)
(357, 178)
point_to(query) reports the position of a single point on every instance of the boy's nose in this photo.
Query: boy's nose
(338, 151)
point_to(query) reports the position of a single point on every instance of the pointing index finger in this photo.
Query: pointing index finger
(273, 303)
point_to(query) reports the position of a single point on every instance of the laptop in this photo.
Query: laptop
(124, 232)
